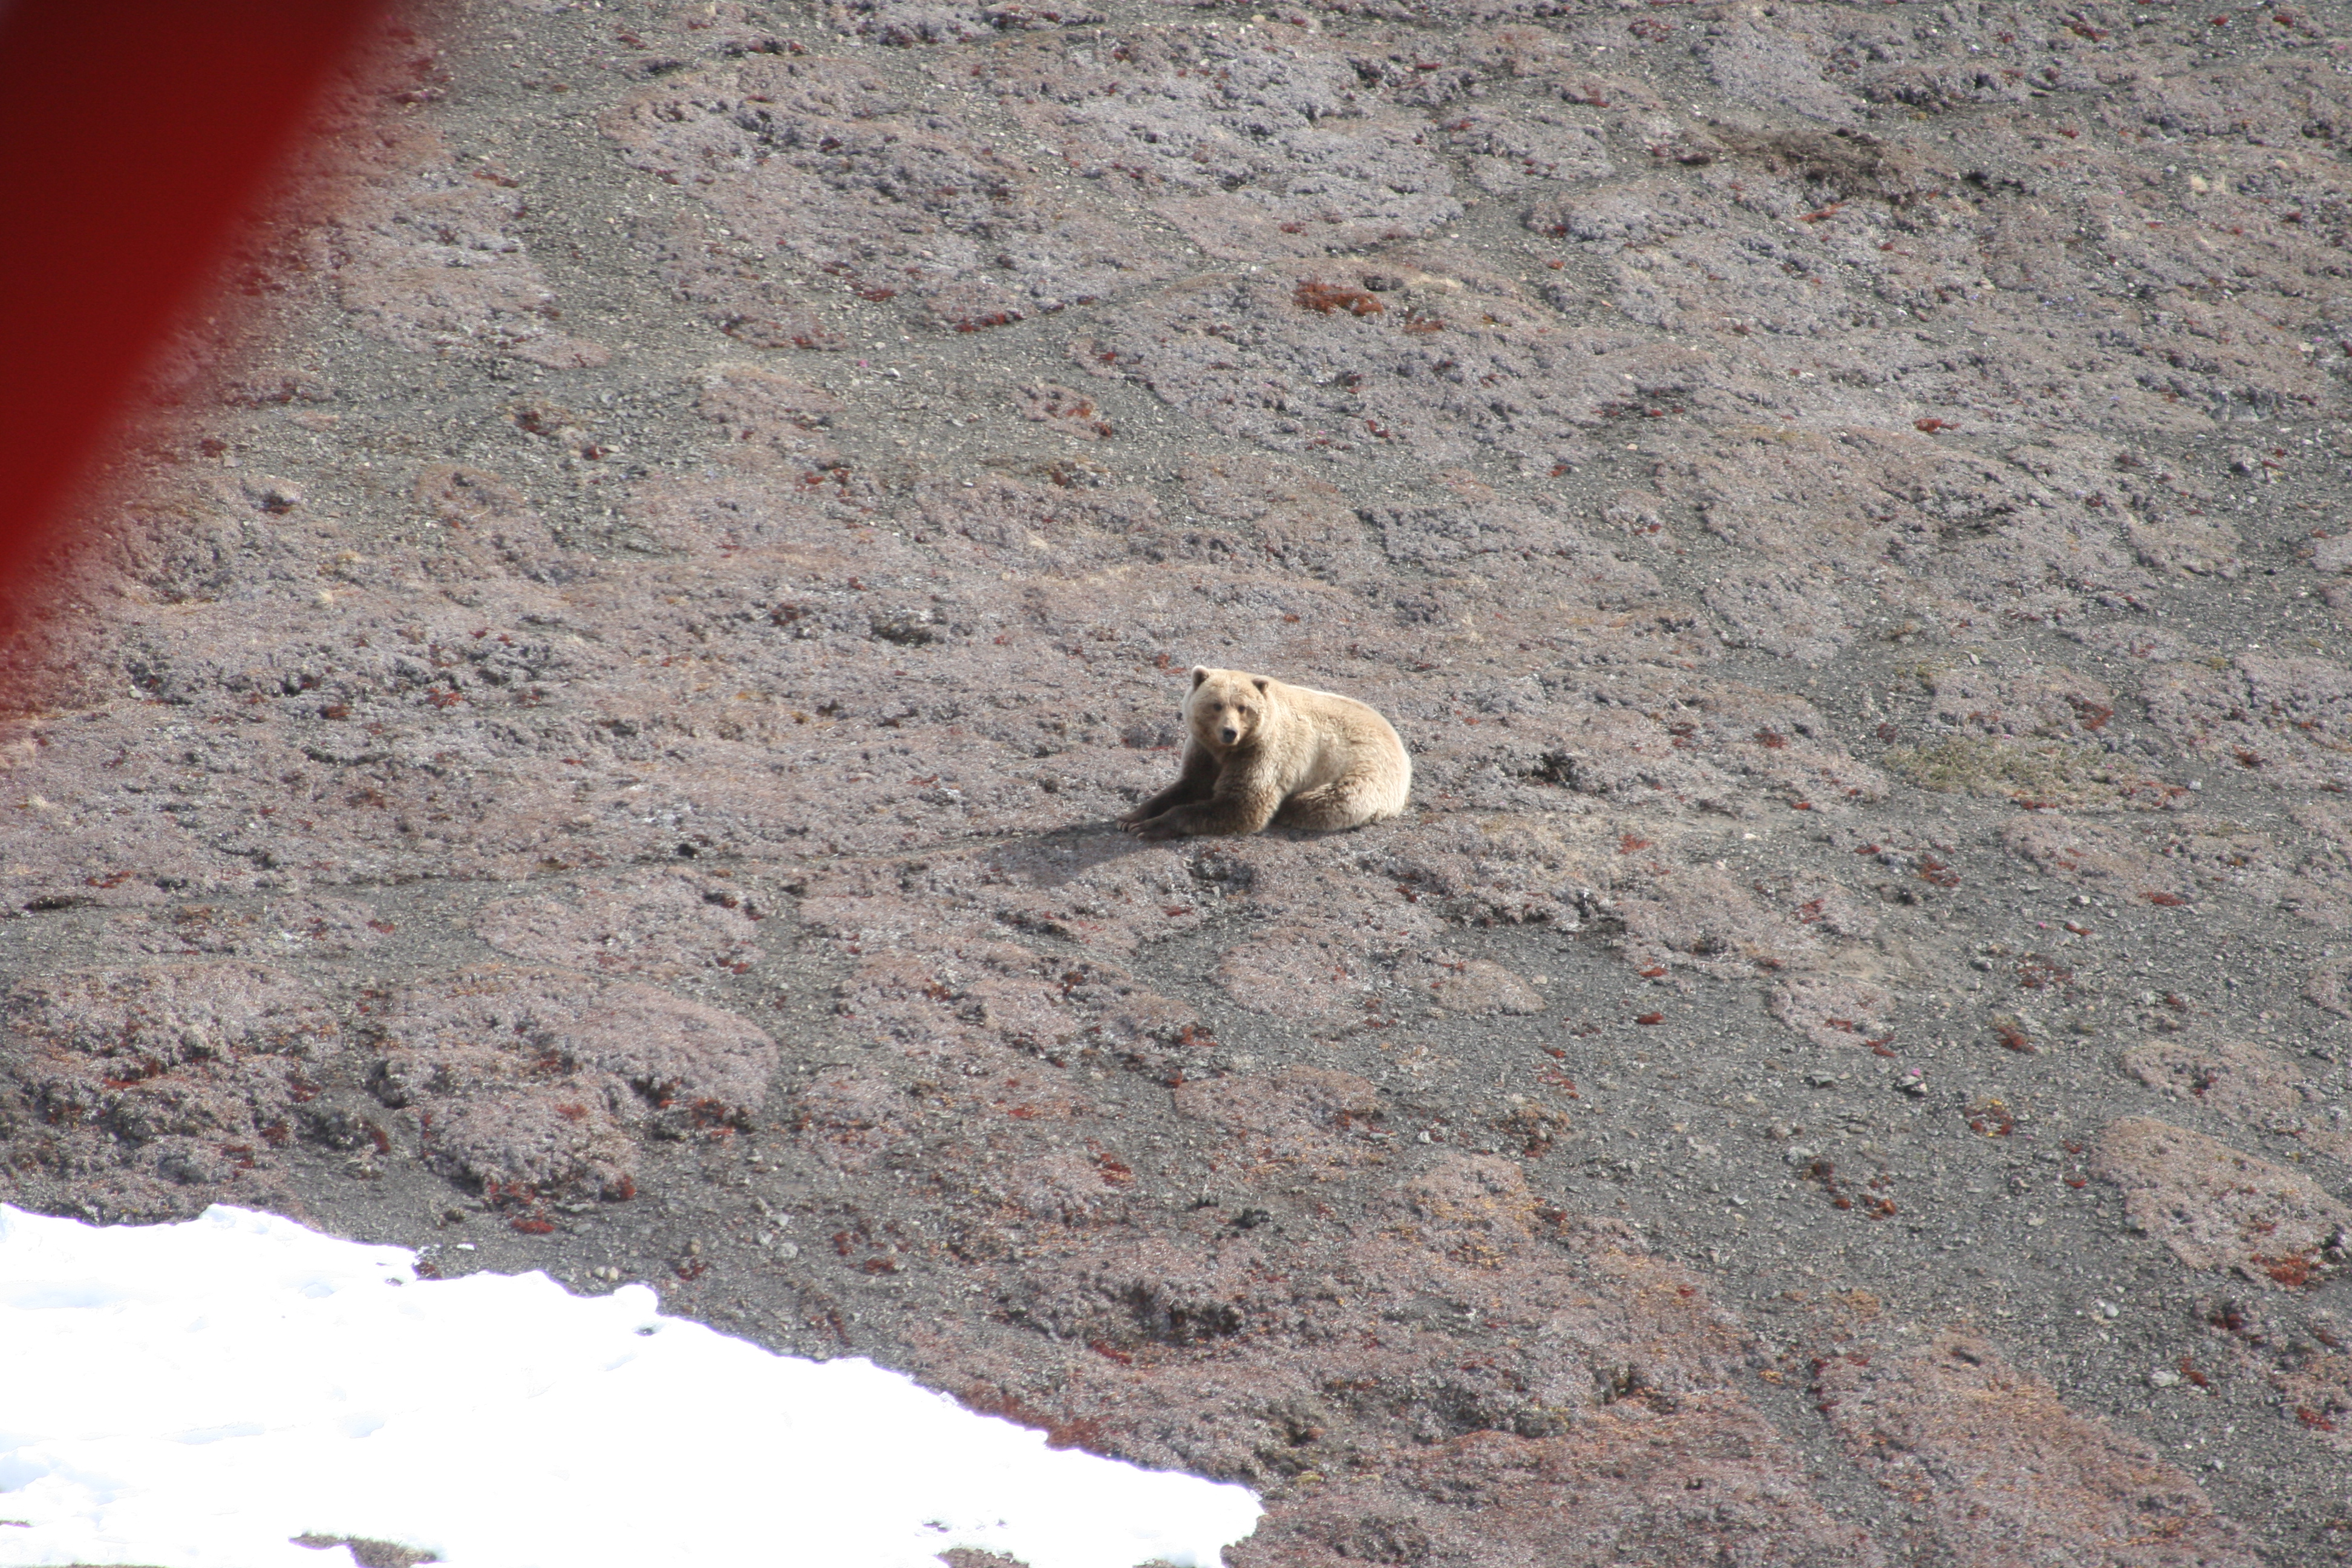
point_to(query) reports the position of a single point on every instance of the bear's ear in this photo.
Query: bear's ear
(1200, 674)
(1258, 681)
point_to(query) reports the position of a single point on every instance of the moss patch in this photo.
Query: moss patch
(2037, 773)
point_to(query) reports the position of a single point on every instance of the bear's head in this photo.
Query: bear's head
(1224, 707)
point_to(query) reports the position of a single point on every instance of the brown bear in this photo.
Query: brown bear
(1258, 751)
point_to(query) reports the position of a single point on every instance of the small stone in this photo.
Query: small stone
(2163, 1379)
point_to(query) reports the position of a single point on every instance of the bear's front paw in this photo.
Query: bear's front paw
(1129, 819)
(1157, 828)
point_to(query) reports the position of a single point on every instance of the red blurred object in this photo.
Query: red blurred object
(133, 135)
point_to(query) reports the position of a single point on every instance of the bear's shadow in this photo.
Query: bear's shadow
(1054, 856)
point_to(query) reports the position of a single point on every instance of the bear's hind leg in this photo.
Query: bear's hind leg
(1336, 806)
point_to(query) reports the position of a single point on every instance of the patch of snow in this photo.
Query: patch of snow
(200, 1394)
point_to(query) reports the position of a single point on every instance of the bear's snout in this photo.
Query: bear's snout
(1229, 734)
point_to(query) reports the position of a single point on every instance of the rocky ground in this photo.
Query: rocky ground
(586, 733)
